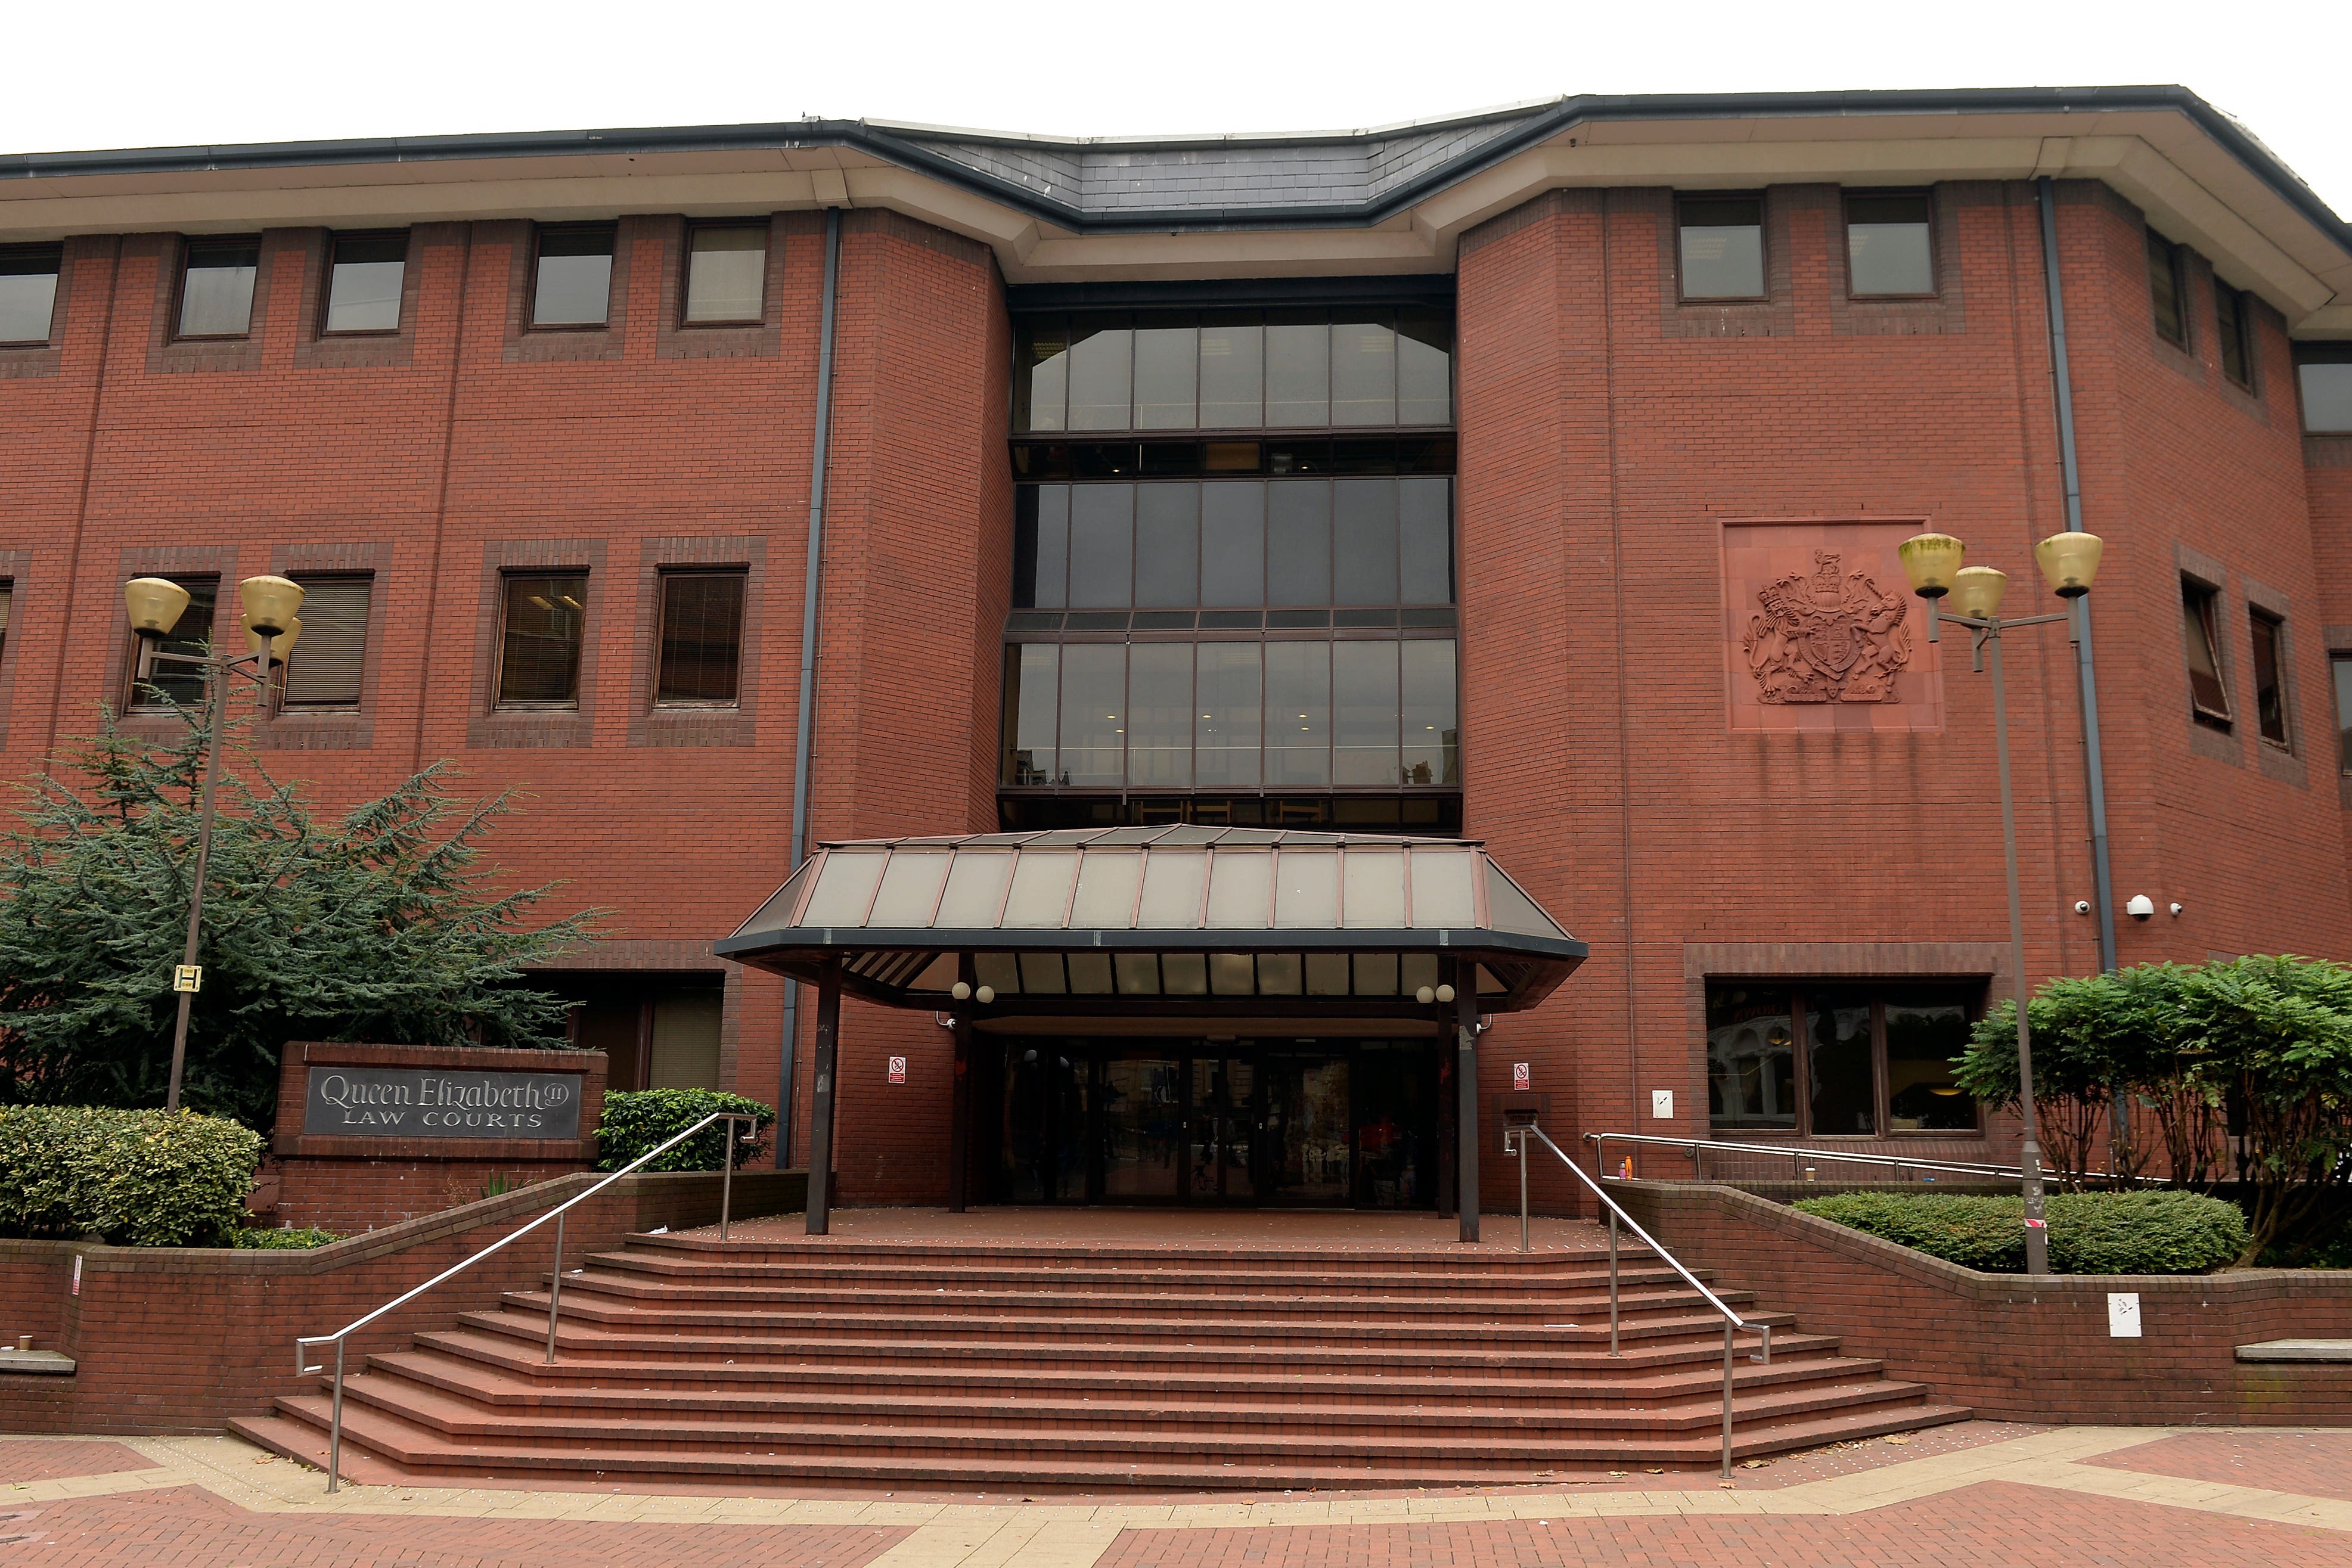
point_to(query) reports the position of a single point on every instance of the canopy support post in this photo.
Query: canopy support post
(1466, 1083)
(828, 1033)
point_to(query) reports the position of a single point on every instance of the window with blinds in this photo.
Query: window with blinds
(539, 651)
(329, 658)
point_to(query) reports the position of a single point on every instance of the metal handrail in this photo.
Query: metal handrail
(1514, 1140)
(555, 1290)
(1799, 1154)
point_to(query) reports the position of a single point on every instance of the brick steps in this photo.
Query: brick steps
(829, 1365)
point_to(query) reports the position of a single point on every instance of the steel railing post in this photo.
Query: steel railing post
(726, 1177)
(1612, 1281)
(555, 1289)
(1523, 1192)
(1726, 1400)
(335, 1425)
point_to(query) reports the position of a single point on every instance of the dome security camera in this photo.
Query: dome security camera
(2082, 906)
(2176, 912)
(2141, 907)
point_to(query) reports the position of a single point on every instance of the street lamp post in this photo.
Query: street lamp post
(2068, 561)
(155, 605)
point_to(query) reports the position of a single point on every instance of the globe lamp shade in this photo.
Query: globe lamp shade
(2069, 561)
(1929, 560)
(155, 605)
(1977, 590)
(269, 603)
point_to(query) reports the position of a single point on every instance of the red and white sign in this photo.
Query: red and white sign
(898, 1070)
(1519, 1078)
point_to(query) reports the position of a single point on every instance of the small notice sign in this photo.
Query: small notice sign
(898, 1070)
(1520, 1077)
(2123, 1315)
(1662, 1105)
(187, 977)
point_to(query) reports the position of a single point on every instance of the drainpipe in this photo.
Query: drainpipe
(811, 602)
(2078, 628)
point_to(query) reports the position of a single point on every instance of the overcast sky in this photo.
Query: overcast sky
(139, 73)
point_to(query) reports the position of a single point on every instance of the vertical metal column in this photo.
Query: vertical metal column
(828, 1030)
(959, 1116)
(2037, 1237)
(1466, 1083)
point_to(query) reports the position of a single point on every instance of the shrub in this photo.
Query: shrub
(2090, 1232)
(138, 1178)
(641, 1120)
(284, 1239)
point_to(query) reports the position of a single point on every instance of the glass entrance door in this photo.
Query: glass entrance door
(1142, 1126)
(1306, 1152)
(1224, 1131)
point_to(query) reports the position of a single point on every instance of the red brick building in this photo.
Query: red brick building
(1546, 464)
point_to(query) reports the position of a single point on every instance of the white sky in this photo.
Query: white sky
(141, 73)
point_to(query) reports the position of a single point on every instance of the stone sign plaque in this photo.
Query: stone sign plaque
(441, 1103)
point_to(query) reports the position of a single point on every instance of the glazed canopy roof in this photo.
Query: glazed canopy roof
(1185, 918)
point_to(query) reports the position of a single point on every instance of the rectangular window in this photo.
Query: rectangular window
(7, 603)
(2339, 666)
(1233, 372)
(2209, 695)
(1167, 373)
(1888, 247)
(328, 660)
(1032, 677)
(572, 282)
(364, 273)
(2270, 677)
(726, 273)
(1876, 1059)
(1297, 715)
(1094, 705)
(1297, 370)
(28, 292)
(158, 684)
(2167, 289)
(217, 287)
(2233, 324)
(2323, 373)
(1722, 247)
(1225, 737)
(539, 646)
(1101, 373)
(683, 1040)
(701, 639)
(1159, 715)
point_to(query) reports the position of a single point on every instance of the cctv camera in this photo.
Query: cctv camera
(2176, 912)
(2141, 907)
(2082, 906)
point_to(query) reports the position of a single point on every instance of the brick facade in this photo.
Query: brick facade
(1609, 434)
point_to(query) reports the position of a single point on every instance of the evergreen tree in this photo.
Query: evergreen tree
(383, 926)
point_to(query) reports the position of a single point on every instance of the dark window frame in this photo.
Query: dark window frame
(663, 577)
(1763, 248)
(1846, 215)
(190, 246)
(2202, 600)
(760, 226)
(2236, 331)
(499, 703)
(2328, 353)
(1966, 992)
(2260, 621)
(309, 580)
(55, 253)
(335, 241)
(2339, 681)
(2175, 259)
(539, 233)
(133, 680)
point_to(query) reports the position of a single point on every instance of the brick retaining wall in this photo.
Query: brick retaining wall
(2013, 1349)
(179, 1340)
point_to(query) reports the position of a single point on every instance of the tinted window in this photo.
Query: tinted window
(1297, 714)
(1094, 701)
(1299, 542)
(1159, 715)
(1032, 683)
(701, 637)
(155, 683)
(538, 662)
(1431, 738)
(364, 287)
(1041, 375)
(2270, 677)
(1886, 245)
(1102, 545)
(1167, 375)
(2209, 698)
(1364, 542)
(2232, 322)
(1167, 544)
(1233, 372)
(2339, 665)
(1722, 241)
(2164, 289)
(2326, 388)
(1364, 714)
(1845, 1094)
(1225, 736)
(574, 282)
(1425, 540)
(1923, 1033)
(1424, 366)
(217, 287)
(1298, 373)
(1363, 372)
(1232, 543)
(726, 272)
(29, 293)
(1751, 1057)
(1101, 370)
(329, 661)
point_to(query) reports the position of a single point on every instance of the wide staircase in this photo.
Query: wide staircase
(1043, 1368)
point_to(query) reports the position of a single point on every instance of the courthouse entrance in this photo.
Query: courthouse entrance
(1176, 1015)
(1298, 1123)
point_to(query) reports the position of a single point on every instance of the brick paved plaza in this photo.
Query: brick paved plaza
(1978, 1495)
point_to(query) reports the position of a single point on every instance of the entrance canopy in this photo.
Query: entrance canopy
(1181, 921)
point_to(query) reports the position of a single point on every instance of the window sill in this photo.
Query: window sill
(529, 729)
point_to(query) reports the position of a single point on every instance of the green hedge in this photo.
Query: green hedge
(2090, 1232)
(284, 1239)
(138, 1178)
(640, 1120)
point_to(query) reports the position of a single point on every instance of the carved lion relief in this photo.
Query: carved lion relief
(1829, 637)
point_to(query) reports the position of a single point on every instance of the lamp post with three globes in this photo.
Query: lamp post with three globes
(2068, 562)
(155, 605)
